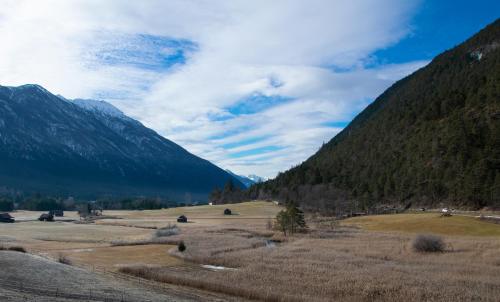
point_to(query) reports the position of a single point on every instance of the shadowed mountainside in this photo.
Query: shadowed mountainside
(432, 138)
(89, 149)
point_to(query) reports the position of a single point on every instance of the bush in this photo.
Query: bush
(269, 224)
(64, 260)
(169, 230)
(181, 247)
(428, 244)
(19, 249)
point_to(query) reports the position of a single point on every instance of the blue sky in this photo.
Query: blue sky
(438, 26)
(253, 86)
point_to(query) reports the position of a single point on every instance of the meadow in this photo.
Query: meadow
(366, 258)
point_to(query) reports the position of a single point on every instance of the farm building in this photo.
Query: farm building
(46, 217)
(5, 217)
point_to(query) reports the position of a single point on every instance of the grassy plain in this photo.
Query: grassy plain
(426, 223)
(359, 259)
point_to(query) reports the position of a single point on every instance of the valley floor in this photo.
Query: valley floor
(239, 257)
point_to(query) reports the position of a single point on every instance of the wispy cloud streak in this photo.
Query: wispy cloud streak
(254, 86)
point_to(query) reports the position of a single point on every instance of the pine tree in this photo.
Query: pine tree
(283, 221)
(291, 219)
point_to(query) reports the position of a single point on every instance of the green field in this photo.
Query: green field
(426, 223)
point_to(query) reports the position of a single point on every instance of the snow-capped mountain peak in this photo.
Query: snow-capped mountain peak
(255, 178)
(101, 107)
(247, 180)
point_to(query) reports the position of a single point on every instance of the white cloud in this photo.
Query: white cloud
(242, 47)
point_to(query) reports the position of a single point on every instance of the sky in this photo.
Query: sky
(253, 86)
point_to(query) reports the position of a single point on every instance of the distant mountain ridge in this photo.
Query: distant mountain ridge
(89, 148)
(433, 138)
(249, 180)
(256, 178)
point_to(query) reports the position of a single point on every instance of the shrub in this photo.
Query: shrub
(169, 230)
(181, 247)
(291, 220)
(64, 260)
(428, 244)
(269, 224)
(19, 249)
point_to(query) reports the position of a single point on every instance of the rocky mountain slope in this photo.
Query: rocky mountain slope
(89, 148)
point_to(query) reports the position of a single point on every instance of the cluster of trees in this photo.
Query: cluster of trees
(39, 202)
(291, 220)
(36, 202)
(133, 204)
(229, 194)
(6, 205)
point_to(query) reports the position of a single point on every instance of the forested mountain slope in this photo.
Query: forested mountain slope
(432, 138)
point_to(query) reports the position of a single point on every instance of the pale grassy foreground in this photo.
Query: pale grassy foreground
(360, 259)
(342, 263)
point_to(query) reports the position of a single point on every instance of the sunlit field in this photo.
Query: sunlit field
(455, 225)
(358, 259)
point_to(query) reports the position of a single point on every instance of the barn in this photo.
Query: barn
(5, 217)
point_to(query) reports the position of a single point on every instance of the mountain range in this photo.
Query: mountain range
(433, 138)
(249, 180)
(88, 149)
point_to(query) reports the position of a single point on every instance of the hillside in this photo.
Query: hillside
(432, 138)
(89, 149)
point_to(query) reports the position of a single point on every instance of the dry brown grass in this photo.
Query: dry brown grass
(344, 264)
(355, 262)
(427, 223)
(161, 275)
(112, 258)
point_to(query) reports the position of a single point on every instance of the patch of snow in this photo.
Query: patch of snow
(37, 87)
(97, 106)
(477, 54)
(217, 268)
(255, 178)
(82, 250)
(270, 243)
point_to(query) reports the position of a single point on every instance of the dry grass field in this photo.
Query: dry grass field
(360, 259)
(427, 223)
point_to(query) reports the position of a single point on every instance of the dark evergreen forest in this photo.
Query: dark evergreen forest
(433, 138)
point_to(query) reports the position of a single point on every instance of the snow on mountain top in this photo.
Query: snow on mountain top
(256, 178)
(32, 86)
(99, 107)
(247, 180)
